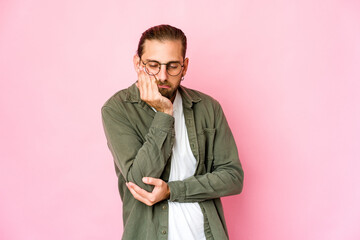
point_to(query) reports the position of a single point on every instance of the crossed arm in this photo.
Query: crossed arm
(160, 192)
(141, 161)
(143, 172)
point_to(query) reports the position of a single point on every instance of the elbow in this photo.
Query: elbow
(239, 182)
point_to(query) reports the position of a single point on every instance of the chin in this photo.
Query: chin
(168, 93)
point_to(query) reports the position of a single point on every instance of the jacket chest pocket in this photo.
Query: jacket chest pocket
(206, 140)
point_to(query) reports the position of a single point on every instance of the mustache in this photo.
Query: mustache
(159, 83)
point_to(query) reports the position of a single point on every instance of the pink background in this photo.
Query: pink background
(287, 74)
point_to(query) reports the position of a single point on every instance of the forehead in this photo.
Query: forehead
(164, 51)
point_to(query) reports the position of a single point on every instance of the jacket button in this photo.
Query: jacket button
(164, 207)
(163, 232)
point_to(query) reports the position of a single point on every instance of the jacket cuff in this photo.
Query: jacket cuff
(163, 122)
(177, 191)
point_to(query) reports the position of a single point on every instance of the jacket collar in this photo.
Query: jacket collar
(133, 94)
(189, 97)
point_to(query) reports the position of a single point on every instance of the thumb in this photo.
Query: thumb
(151, 181)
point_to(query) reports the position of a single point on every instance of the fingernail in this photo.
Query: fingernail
(145, 179)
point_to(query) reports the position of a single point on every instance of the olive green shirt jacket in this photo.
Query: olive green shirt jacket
(141, 142)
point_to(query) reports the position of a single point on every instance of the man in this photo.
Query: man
(174, 153)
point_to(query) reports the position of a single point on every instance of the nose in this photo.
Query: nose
(162, 75)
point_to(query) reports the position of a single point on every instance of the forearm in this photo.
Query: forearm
(136, 157)
(152, 156)
(220, 183)
(223, 175)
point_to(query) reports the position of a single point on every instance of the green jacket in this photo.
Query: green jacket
(141, 141)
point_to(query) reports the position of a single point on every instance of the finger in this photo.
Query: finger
(152, 181)
(135, 194)
(143, 193)
(145, 85)
(153, 90)
(138, 197)
(148, 86)
(154, 87)
(141, 84)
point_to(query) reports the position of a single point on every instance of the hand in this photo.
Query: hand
(150, 94)
(160, 192)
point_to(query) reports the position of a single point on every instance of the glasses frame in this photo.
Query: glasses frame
(151, 74)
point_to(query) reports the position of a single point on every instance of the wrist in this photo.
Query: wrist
(168, 192)
(168, 111)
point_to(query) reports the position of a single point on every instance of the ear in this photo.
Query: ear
(186, 64)
(136, 61)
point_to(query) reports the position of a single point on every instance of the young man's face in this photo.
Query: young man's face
(165, 52)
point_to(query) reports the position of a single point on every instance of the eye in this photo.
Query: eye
(153, 64)
(173, 65)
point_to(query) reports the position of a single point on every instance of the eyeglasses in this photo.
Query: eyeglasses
(172, 68)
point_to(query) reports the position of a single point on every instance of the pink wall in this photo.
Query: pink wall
(286, 72)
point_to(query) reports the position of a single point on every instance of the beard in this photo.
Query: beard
(168, 92)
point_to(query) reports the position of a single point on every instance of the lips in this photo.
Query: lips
(163, 86)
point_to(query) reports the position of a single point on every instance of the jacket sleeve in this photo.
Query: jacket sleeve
(134, 156)
(224, 178)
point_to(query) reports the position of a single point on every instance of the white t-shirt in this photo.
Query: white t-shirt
(186, 220)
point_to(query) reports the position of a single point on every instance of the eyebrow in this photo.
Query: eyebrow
(153, 60)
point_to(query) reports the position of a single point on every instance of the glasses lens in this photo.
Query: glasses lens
(152, 67)
(173, 69)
